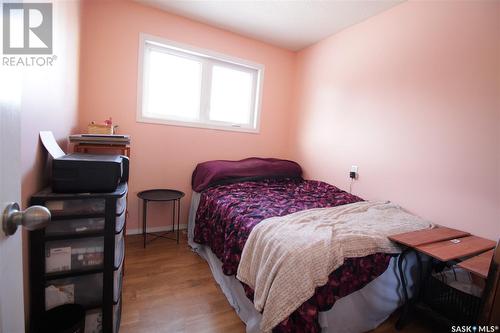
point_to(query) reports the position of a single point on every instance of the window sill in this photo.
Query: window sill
(193, 124)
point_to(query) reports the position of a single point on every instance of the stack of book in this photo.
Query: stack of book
(100, 139)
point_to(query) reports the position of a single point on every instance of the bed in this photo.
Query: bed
(229, 200)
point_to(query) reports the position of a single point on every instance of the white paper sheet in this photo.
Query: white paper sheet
(59, 259)
(55, 296)
(49, 142)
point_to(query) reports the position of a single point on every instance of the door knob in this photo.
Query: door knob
(34, 217)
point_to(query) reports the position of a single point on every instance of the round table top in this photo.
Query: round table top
(160, 194)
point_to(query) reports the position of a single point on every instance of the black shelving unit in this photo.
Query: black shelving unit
(96, 219)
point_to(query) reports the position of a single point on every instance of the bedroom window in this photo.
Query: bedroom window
(185, 86)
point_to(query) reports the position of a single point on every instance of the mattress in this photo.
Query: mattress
(361, 310)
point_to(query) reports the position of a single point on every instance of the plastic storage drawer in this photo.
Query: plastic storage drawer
(120, 221)
(80, 253)
(83, 206)
(84, 289)
(121, 204)
(74, 254)
(117, 284)
(119, 249)
(76, 206)
(117, 316)
(74, 227)
(81, 226)
(93, 320)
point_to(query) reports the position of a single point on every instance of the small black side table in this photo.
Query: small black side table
(161, 195)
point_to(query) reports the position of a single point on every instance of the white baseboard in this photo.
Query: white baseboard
(138, 231)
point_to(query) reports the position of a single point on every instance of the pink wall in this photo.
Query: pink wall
(165, 156)
(50, 98)
(49, 102)
(411, 96)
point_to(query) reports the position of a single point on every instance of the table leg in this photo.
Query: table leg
(428, 272)
(419, 284)
(402, 319)
(144, 216)
(173, 216)
(178, 218)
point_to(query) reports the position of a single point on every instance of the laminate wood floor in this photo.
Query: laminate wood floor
(168, 288)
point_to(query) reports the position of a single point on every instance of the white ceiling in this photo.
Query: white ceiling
(289, 24)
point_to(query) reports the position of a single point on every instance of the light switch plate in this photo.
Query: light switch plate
(354, 168)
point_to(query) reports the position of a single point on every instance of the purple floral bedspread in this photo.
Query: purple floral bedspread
(227, 213)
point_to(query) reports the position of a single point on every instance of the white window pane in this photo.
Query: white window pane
(231, 97)
(172, 87)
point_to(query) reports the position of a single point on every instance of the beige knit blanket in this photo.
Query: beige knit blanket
(285, 258)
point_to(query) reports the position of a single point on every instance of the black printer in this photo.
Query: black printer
(81, 173)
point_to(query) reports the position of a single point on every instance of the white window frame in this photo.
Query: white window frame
(208, 59)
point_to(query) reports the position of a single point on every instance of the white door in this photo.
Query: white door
(11, 263)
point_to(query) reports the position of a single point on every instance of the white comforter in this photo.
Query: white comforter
(285, 258)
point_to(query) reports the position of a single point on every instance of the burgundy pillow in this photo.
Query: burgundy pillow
(211, 173)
